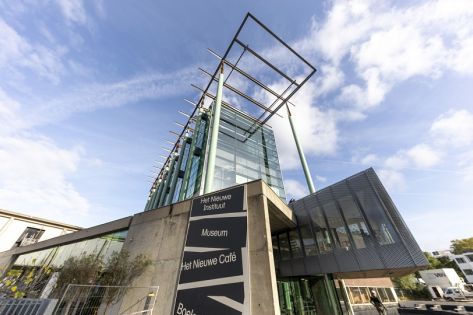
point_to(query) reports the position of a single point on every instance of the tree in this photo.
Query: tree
(120, 271)
(84, 269)
(411, 287)
(461, 246)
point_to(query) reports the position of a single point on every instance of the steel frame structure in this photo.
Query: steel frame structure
(268, 110)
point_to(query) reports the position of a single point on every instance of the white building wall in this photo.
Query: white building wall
(12, 227)
(465, 263)
(444, 278)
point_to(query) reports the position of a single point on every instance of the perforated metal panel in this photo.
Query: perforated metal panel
(363, 228)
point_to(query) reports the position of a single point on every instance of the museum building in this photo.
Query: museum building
(219, 233)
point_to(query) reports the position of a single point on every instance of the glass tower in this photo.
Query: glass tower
(246, 151)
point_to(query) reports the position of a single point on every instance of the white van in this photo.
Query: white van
(454, 294)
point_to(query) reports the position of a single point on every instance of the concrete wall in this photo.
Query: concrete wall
(264, 293)
(160, 234)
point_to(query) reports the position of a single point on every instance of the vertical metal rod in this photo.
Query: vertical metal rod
(308, 177)
(190, 159)
(217, 106)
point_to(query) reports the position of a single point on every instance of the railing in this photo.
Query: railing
(99, 299)
(26, 306)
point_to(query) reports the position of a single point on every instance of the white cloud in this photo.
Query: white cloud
(34, 171)
(393, 180)
(16, 52)
(315, 128)
(328, 79)
(94, 96)
(9, 119)
(370, 159)
(384, 44)
(295, 189)
(321, 179)
(423, 156)
(454, 128)
(73, 10)
(33, 177)
(388, 44)
(448, 137)
(397, 161)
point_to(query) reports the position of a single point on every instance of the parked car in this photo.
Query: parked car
(454, 294)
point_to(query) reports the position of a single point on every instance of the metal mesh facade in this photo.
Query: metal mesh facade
(349, 228)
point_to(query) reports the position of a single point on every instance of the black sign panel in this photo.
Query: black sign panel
(198, 302)
(226, 201)
(217, 233)
(214, 252)
(211, 265)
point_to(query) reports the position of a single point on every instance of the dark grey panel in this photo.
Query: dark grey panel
(404, 231)
(369, 258)
(356, 228)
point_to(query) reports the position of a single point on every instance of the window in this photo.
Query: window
(29, 236)
(376, 215)
(355, 221)
(468, 272)
(275, 247)
(284, 249)
(337, 226)
(295, 244)
(390, 295)
(460, 260)
(308, 241)
(470, 257)
(320, 229)
(361, 295)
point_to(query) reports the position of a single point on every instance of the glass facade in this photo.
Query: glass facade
(102, 246)
(307, 296)
(338, 217)
(33, 271)
(246, 151)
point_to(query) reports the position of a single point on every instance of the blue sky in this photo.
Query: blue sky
(90, 89)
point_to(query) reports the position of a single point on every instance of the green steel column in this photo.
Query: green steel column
(176, 173)
(166, 182)
(308, 177)
(190, 160)
(159, 189)
(209, 174)
(150, 199)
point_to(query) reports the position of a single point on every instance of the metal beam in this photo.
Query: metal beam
(247, 97)
(249, 76)
(212, 153)
(305, 167)
(269, 64)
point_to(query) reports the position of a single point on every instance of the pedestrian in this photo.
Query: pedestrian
(374, 299)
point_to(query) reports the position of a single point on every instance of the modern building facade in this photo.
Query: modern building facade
(221, 237)
(297, 255)
(18, 229)
(242, 156)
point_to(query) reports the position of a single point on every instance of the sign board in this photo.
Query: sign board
(213, 276)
